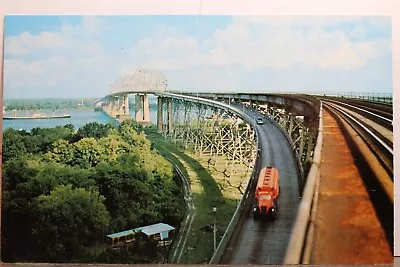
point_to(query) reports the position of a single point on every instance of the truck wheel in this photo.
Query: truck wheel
(255, 213)
(273, 213)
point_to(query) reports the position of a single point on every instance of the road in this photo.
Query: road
(263, 242)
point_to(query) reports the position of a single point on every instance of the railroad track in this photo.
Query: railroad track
(376, 135)
(379, 112)
(372, 149)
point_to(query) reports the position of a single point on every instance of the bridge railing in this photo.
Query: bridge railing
(299, 247)
(376, 97)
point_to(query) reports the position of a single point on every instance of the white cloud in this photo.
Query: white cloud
(224, 61)
(67, 40)
(26, 43)
(62, 61)
(63, 75)
(35, 74)
(281, 45)
(260, 44)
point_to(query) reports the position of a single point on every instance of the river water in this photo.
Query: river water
(78, 119)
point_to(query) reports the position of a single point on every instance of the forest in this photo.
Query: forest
(65, 190)
(47, 104)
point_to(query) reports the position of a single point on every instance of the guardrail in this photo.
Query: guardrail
(377, 97)
(300, 242)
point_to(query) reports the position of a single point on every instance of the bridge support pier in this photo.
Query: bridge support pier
(122, 108)
(160, 104)
(126, 105)
(169, 116)
(142, 109)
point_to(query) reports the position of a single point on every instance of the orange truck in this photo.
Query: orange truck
(267, 193)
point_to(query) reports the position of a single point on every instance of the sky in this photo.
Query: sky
(83, 56)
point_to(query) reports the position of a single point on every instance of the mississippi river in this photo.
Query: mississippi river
(78, 119)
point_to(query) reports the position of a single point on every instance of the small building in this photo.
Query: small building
(161, 232)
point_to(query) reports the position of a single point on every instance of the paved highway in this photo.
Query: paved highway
(264, 242)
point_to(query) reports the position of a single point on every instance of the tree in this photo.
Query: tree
(126, 192)
(53, 190)
(50, 135)
(70, 127)
(13, 144)
(128, 133)
(17, 208)
(93, 130)
(16, 143)
(67, 220)
(113, 146)
(62, 152)
(87, 153)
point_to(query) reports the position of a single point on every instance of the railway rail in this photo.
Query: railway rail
(380, 112)
(373, 156)
(352, 206)
(379, 139)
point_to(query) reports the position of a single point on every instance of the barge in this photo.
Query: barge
(37, 116)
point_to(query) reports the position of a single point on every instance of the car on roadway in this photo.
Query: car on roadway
(260, 120)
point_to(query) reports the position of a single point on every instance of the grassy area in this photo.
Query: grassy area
(210, 188)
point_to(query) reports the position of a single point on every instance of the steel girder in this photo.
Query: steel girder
(296, 106)
(213, 132)
(299, 133)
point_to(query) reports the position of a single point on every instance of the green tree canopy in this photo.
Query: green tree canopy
(63, 191)
(69, 219)
(93, 130)
(13, 144)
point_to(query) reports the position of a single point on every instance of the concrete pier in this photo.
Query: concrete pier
(142, 115)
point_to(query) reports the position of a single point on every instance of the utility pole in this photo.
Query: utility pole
(215, 228)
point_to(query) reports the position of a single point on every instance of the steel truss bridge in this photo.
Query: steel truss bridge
(224, 125)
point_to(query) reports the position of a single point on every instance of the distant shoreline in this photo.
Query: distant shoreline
(51, 110)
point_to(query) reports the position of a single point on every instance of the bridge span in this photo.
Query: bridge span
(290, 139)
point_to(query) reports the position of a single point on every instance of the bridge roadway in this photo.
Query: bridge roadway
(264, 242)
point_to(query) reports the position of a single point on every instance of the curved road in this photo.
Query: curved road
(264, 242)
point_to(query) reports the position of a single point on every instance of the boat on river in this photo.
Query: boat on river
(36, 116)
